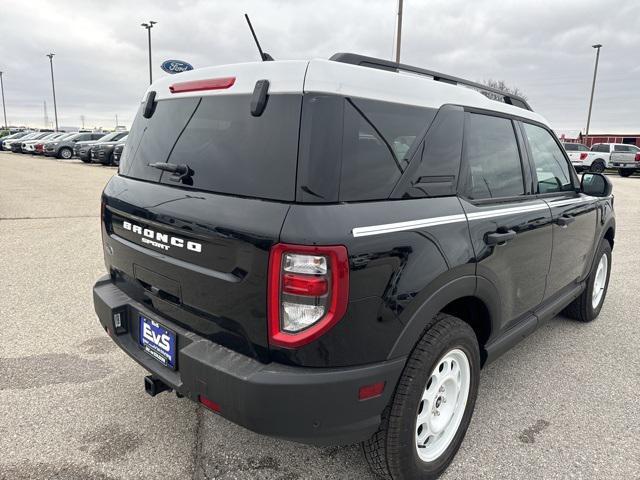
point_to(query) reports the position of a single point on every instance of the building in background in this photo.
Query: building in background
(631, 139)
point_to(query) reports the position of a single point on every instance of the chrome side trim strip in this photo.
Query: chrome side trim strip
(410, 225)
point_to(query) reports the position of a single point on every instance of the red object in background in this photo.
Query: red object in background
(583, 156)
(39, 147)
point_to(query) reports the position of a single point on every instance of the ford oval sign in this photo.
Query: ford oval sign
(175, 66)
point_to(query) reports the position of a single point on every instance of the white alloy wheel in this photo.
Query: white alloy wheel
(600, 281)
(443, 403)
(65, 153)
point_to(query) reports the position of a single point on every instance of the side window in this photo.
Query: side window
(375, 140)
(437, 172)
(600, 147)
(621, 148)
(552, 168)
(492, 160)
(570, 147)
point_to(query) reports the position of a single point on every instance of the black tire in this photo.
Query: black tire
(65, 153)
(625, 172)
(391, 452)
(581, 308)
(598, 166)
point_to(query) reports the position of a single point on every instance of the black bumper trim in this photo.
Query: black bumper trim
(317, 406)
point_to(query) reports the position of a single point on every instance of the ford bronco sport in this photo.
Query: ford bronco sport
(328, 251)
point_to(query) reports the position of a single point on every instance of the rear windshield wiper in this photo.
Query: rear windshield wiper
(181, 173)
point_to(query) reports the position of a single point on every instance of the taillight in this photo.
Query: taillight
(308, 292)
(207, 84)
(637, 157)
(583, 156)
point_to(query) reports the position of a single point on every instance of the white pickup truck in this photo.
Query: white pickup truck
(627, 162)
(584, 159)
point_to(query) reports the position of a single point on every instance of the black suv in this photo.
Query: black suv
(102, 151)
(329, 251)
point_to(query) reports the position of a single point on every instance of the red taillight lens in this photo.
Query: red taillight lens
(309, 285)
(583, 156)
(207, 84)
(308, 292)
(637, 157)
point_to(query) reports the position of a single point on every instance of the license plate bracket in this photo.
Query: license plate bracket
(158, 341)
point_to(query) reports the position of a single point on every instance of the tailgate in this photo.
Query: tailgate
(199, 259)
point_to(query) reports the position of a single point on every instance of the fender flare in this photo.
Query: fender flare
(438, 298)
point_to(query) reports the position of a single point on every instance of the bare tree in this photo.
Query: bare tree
(501, 85)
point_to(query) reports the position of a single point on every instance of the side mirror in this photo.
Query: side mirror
(596, 185)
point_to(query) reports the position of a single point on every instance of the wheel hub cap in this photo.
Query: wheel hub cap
(442, 406)
(600, 281)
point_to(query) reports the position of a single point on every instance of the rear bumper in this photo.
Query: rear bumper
(626, 165)
(318, 406)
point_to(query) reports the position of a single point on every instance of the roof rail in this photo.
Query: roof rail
(381, 64)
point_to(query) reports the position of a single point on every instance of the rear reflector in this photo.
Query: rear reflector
(309, 285)
(211, 405)
(371, 391)
(208, 84)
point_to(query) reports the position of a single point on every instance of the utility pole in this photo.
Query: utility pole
(53, 85)
(149, 26)
(82, 120)
(593, 87)
(116, 120)
(399, 31)
(4, 110)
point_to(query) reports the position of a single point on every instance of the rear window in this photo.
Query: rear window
(229, 150)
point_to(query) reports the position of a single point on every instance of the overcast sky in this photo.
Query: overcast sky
(542, 47)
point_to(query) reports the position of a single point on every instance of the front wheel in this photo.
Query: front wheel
(597, 167)
(625, 172)
(587, 306)
(426, 421)
(65, 153)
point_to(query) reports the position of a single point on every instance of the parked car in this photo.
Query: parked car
(102, 152)
(21, 145)
(583, 159)
(82, 150)
(627, 162)
(6, 141)
(276, 253)
(603, 152)
(117, 152)
(30, 146)
(63, 148)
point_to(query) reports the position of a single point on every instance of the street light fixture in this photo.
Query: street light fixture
(593, 87)
(4, 110)
(149, 26)
(53, 85)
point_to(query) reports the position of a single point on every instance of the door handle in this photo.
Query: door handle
(565, 220)
(500, 238)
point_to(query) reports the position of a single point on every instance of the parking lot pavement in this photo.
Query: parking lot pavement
(562, 404)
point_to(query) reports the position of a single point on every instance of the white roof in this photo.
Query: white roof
(327, 76)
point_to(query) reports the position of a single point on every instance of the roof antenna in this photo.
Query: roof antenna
(263, 55)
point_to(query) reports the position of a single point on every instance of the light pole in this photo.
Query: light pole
(53, 85)
(593, 87)
(4, 110)
(149, 26)
(399, 31)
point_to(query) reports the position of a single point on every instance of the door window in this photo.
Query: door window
(492, 159)
(552, 168)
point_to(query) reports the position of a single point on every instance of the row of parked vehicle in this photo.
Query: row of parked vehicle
(621, 156)
(88, 146)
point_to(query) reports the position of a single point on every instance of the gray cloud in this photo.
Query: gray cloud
(542, 47)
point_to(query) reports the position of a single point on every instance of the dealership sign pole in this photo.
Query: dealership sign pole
(53, 85)
(4, 110)
(593, 88)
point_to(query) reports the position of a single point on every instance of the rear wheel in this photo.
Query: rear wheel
(625, 172)
(587, 306)
(597, 166)
(423, 427)
(65, 153)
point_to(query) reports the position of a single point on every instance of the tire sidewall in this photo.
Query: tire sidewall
(62, 153)
(404, 416)
(603, 249)
(598, 166)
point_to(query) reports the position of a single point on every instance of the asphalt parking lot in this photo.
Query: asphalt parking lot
(562, 404)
